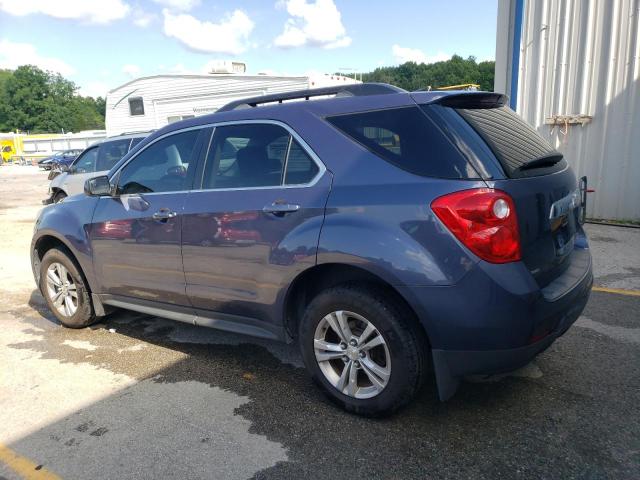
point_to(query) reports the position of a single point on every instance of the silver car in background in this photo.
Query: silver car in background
(95, 161)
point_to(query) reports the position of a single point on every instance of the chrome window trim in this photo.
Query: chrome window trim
(283, 180)
(305, 146)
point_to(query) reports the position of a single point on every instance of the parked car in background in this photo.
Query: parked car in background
(388, 233)
(66, 160)
(94, 161)
(59, 158)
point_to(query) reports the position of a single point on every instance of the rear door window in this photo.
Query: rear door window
(245, 156)
(408, 138)
(516, 144)
(301, 168)
(111, 152)
(135, 141)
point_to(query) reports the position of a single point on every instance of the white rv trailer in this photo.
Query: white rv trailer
(149, 103)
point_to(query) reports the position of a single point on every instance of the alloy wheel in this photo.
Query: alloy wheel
(352, 354)
(62, 290)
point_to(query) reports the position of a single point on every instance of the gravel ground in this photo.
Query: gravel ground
(142, 397)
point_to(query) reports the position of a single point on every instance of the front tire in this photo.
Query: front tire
(59, 196)
(65, 290)
(363, 349)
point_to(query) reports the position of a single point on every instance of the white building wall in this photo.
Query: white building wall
(165, 96)
(583, 57)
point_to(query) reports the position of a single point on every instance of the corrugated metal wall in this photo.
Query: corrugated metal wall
(583, 57)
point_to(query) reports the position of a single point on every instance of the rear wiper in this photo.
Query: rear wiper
(543, 161)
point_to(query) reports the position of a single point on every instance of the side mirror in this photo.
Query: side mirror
(98, 187)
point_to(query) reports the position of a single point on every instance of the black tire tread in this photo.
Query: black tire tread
(85, 314)
(410, 336)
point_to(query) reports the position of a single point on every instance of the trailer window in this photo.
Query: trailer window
(136, 106)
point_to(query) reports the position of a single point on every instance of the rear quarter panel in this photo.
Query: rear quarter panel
(390, 230)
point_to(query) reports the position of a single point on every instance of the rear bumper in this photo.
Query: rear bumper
(451, 365)
(497, 319)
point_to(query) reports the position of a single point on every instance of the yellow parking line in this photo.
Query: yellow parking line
(25, 467)
(619, 291)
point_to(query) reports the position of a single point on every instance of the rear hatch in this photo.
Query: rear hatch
(536, 176)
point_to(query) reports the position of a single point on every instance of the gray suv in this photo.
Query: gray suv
(94, 161)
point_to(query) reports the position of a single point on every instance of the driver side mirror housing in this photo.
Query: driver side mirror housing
(98, 187)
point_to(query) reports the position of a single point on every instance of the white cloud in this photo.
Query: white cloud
(143, 19)
(12, 55)
(181, 5)
(131, 71)
(316, 24)
(94, 89)
(103, 11)
(230, 36)
(404, 54)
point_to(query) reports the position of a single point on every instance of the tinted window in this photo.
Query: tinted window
(165, 166)
(300, 167)
(246, 156)
(136, 106)
(110, 152)
(86, 162)
(408, 138)
(511, 139)
(135, 141)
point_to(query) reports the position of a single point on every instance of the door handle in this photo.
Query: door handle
(163, 215)
(281, 209)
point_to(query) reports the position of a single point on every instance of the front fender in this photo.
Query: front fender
(69, 223)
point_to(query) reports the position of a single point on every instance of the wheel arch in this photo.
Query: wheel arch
(320, 277)
(46, 242)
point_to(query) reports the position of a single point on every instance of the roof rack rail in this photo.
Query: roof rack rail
(132, 132)
(355, 90)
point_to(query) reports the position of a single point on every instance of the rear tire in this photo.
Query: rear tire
(388, 375)
(65, 290)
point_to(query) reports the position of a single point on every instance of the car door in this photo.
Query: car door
(136, 233)
(72, 182)
(255, 222)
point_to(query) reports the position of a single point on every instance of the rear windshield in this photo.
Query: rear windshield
(518, 147)
(408, 138)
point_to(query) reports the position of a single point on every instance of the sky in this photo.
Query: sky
(102, 44)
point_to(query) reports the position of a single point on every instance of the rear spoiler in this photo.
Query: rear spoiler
(473, 100)
(461, 99)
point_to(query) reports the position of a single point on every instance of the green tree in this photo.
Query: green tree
(38, 101)
(455, 71)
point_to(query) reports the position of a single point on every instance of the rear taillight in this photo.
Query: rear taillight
(484, 220)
